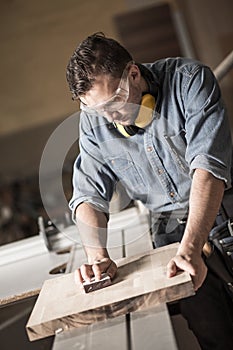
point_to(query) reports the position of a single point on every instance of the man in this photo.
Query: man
(162, 131)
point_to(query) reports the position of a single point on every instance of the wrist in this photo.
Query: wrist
(190, 247)
(96, 255)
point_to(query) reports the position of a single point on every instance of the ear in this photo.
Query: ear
(134, 73)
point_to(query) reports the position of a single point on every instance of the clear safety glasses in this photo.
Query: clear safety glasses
(118, 99)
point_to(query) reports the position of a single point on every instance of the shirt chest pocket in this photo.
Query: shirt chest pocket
(129, 172)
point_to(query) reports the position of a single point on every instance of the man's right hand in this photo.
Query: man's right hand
(87, 271)
(92, 225)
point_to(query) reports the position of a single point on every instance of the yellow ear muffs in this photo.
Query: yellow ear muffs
(145, 115)
(146, 110)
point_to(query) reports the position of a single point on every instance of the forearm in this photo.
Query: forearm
(92, 225)
(205, 199)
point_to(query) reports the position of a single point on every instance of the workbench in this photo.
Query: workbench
(128, 235)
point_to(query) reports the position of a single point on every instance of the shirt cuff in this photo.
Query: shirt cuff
(102, 205)
(217, 169)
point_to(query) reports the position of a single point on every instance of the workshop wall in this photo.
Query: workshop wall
(37, 39)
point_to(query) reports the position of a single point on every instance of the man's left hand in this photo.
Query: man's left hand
(193, 264)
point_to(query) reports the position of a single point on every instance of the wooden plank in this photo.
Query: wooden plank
(141, 282)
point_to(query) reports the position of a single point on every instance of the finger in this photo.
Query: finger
(78, 278)
(86, 272)
(98, 268)
(171, 268)
(185, 265)
(179, 263)
(112, 269)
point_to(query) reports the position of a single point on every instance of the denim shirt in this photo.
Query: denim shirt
(189, 130)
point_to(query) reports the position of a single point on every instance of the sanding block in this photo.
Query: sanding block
(93, 285)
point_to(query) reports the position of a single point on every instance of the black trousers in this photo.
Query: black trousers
(209, 312)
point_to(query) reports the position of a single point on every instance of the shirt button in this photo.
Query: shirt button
(149, 149)
(172, 194)
(160, 171)
(112, 161)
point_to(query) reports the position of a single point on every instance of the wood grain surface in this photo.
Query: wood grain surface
(140, 283)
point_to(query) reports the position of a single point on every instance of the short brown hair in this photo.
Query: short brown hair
(95, 55)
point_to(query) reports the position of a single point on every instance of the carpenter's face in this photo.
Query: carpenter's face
(115, 99)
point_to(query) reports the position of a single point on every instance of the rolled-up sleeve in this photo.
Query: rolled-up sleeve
(209, 144)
